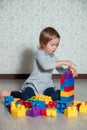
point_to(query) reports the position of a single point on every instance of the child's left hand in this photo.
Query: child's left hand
(74, 71)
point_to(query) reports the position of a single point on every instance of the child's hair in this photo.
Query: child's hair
(47, 35)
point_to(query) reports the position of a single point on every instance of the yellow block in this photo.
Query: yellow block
(42, 97)
(51, 112)
(76, 102)
(67, 94)
(83, 107)
(71, 111)
(18, 111)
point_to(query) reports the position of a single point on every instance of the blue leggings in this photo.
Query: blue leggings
(28, 92)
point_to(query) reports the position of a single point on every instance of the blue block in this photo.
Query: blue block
(62, 86)
(69, 82)
(66, 99)
(39, 103)
(60, 107)
(8, 100)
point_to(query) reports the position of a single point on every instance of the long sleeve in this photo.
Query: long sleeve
(61, 70)
(46, 61)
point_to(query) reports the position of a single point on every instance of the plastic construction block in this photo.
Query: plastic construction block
(43, 112)
(18, 100)
(51, 105)
(83, 107)
(67, 94)
(67, 89)
(68, 74)
(51, 112)
(77, 103)
(62, 80)
(69, 82)
(8, 100)
(71, 111)
(60, 107)
(62, 86)
(35, 111)
(39, 103)
(27, 104)
(42, 97)
(18, 111)
(67, 99)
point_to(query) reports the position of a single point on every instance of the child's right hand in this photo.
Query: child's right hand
(69, 63)
(65, 62)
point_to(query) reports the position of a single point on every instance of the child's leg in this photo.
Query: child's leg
(28, 92)
(55, 94)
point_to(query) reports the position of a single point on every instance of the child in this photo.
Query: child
(40, 80)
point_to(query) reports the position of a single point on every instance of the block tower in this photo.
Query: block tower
(67, 87)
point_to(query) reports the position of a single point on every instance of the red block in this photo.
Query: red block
(51, 105)
(67, 89)
(26, 104)
(62, 80)
(43, 112)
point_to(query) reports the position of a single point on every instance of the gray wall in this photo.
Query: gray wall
(21, 22)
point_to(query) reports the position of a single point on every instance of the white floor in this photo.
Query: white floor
(7, 121)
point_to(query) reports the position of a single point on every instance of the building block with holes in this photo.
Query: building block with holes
(42, 97)
(18, 110)
(83, 107)
(39, 103)
(60, 107)
(8, 100)
(35, 111)
(51, 104)
(71, 111)
(51, 112)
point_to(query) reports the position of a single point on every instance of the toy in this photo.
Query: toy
(60, 107)
(35, 111)
(26, 104)
(67, 87)
(8, 100)
(39, 103)
(51, 112)
(17, 110)
(83, 107)
(43, 112)
(42, 98)
(51, 104)
(71, 111)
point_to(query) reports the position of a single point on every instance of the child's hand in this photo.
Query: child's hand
(74, 71)
(69, 63)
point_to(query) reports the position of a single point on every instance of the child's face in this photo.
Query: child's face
(52, 45)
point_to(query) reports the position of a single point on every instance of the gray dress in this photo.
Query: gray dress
(41, 76)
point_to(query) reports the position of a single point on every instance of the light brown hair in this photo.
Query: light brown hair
(46, 35)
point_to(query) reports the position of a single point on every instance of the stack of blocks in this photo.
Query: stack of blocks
(67, 87)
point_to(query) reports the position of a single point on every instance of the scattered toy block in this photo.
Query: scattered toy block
(60, 107)
(71, 111)
(51, 112)
(35, 111)
(8, 100)
(83, 107)
(18, 111)
(42, 98)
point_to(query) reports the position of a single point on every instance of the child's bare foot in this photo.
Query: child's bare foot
(5, 93)
(2, 100)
